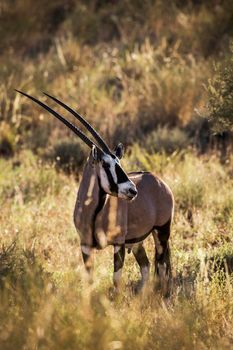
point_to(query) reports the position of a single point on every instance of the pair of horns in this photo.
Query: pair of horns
(75, 129)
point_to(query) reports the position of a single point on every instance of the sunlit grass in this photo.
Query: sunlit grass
(46, 302)
(136, 71)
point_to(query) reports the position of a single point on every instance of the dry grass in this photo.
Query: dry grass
(45, 302)
(136, 69)
(126, 81)
(150, 76)
(125, 95)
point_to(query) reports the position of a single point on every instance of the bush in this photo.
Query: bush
(165, 139)
(20, 268)
(25, 179)
(221, 259)
(224, 210)
(190, 195)
(220, 91)
(69, 155)
(7, 141)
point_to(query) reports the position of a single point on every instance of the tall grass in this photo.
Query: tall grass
(136, 70)
(128, 85)
(126, 88)
(45, 301)
(124, 94)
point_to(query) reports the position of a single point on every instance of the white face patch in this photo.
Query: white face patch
(122, 188)
(104, 180)
(103, 176)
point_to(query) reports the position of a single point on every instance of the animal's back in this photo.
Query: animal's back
(152, 207)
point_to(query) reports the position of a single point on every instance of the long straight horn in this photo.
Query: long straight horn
(94, 133)
(63, 120)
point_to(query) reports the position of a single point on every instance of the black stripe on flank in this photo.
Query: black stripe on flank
(136, 240)
(165, 229)
(121, 175)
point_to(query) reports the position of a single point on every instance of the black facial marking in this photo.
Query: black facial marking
(106, 165)
(121, 175)
(113, 186)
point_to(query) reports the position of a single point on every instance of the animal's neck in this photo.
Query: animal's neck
(91, 199)
(101, 201)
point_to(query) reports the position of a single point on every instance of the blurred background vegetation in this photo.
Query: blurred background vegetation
(154, 72)
(157, 76)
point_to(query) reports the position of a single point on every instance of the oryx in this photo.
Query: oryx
(119, 209)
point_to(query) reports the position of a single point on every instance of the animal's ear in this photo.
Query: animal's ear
(96, 153)
(119, 150)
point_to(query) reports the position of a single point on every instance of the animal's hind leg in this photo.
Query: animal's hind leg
(143, 262)
(162, 257)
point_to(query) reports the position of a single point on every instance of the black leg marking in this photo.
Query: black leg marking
(140, 255)
(143, 262)
(162, 257)
(119, 257)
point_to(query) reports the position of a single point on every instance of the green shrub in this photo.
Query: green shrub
(221, 260)
(220, 89)
(167, 139)
(26, 179)
(6, 147)
(190, 194)
(190, 183)
(224, 209)
(138, 158)
(20, 268)
(69, 155)
(7, 141)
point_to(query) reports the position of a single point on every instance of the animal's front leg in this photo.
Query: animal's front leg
(87, 253)
(119, 257)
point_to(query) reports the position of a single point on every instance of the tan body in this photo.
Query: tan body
(120, 221)
(152, 207)
(131, 221)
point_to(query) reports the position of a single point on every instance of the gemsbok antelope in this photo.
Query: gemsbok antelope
(119, 209)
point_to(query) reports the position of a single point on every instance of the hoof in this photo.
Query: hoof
(113, 293)
(138, 287)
